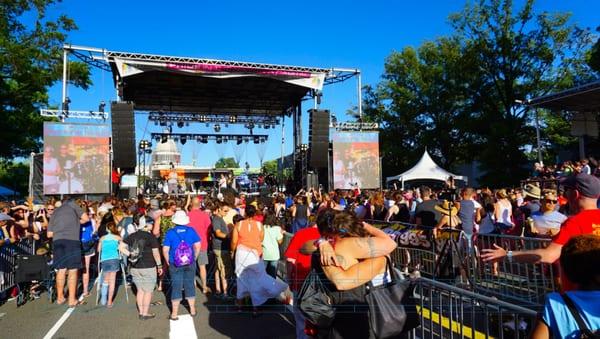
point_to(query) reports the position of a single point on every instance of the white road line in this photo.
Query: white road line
(182, 328)
(61, 321)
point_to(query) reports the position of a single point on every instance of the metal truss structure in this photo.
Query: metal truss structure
(62, 114)
(175, 117)
(204, 138)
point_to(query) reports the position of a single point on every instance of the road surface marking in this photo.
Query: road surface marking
(182, 328)
(61, 321)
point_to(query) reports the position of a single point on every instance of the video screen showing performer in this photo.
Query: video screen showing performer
(76, 158)
(356, 160)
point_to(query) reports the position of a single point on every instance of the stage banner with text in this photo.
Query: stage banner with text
(76, 158)
(356, 160)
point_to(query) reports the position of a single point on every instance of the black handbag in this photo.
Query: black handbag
(315, 302)
(392, 306)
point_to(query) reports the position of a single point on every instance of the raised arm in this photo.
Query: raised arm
(356, 275)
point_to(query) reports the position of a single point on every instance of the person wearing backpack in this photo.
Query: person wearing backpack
(182, 246)
(575, 314)
(142, 251)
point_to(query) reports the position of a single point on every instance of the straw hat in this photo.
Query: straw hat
(446, 209)
(533, 191)
(180, 218)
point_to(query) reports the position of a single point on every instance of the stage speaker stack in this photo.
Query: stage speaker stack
(318, 140)
(123, 135)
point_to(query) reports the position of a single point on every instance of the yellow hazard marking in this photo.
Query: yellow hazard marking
(455, 327)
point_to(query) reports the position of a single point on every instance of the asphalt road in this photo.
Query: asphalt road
(215, 319)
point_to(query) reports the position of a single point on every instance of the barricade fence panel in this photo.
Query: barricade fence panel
(8, 256)
(454, 257)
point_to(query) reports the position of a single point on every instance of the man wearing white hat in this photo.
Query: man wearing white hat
(182, 268)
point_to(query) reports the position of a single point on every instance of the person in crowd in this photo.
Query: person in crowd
(64, 228)
(52, 171)
(377, 209)
(503, 210)
(548, 220)
(580, 259)
(271, 241)
(449, 217)
(221, 239)
(200, 222)
(351, 254)
(142, 248)
(468, 213)
(300, 213)
(399, 211)
(425, 213)
(252, 278)
(297, 268)
(582, 191)
(88, 248)
(110, 263)
(182, 277)
(531, 200)
(5, 238)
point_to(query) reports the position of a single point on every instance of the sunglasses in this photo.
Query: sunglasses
(551, 201)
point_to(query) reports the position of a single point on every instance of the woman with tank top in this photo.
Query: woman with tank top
(503, 210)
(300, 214)
(109, 262)
(359, 250)
(252, 278)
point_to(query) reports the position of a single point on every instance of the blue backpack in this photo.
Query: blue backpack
(184, 255)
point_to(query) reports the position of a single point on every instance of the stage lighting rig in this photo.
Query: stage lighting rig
(219, 139)
(183, 139)
(217, 128)
(232, 119)
(239, 140)
(180, 123)
(164, 138)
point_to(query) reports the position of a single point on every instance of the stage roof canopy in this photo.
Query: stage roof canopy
(578, 99)
(182, 84)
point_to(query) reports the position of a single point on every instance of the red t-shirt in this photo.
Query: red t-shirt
(584, 222)
(200, 222)
(302, 261)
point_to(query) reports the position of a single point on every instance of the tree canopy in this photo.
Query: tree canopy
(460, 95)
(226, 163)
(30, 62)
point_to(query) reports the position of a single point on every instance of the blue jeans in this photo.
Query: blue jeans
(182, 278)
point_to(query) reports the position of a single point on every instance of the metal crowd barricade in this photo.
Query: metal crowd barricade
(520, 282)
(523, 283)
(8, 257)
(446, 311)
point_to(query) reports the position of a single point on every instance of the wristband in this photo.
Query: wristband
(318, 242)
(509, 256)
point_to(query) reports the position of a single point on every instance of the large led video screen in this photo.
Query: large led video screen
(356, 160)
(76, 158)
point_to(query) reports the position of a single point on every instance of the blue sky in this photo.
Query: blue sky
(354, 34)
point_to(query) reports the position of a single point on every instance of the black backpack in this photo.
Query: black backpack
(586, 333)
(136, 251)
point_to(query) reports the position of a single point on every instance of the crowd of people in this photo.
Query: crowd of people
(163, 242)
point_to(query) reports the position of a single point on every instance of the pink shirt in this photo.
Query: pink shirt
(200, 222)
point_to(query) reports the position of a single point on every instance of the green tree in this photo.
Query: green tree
(520, 54)
(270, 167)
(15, 176)
(594, 57)
(226, 163)
(30, 62)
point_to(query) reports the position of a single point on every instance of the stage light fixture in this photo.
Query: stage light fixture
(180, 123)
(256, 140)
(267, 126)
(102, 106)
(303, 147)
(157, 138)
(251, 125)
(217, 128)
(183, 139)
(164, 139)
(239, 140)
(232, 119)
(219, 139)
(176, 139)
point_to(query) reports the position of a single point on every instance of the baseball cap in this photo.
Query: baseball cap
(587, 185)
(5, 217)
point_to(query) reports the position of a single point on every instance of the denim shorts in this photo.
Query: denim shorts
(182, 278)
(111, 265)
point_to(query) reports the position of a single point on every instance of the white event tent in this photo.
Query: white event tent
(425, 169)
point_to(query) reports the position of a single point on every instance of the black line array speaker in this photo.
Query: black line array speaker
(123, 134)
(318, 138)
